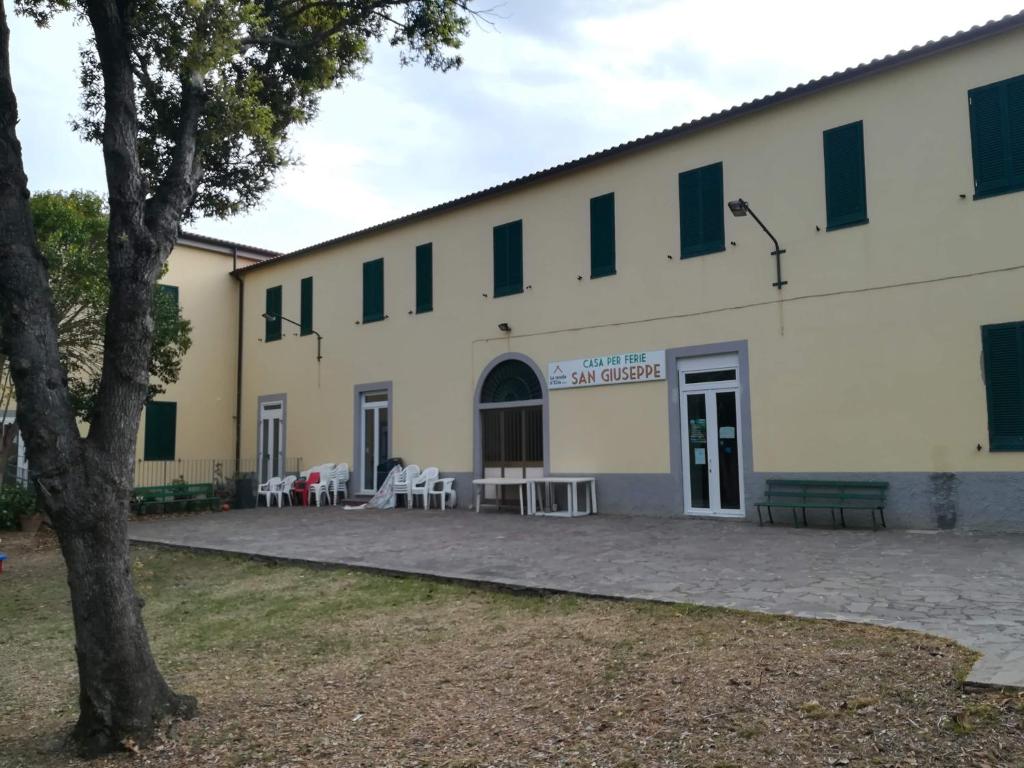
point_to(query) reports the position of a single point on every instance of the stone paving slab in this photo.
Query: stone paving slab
(962, 586)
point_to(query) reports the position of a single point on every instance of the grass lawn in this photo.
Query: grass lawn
(301, 667)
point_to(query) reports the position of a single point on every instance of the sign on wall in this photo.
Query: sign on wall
(624, 368)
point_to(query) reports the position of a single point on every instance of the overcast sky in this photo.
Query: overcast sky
(554, 80)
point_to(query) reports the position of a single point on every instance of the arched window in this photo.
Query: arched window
(510, 381)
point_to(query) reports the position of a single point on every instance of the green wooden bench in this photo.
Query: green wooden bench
(834, 495)
(192, 495)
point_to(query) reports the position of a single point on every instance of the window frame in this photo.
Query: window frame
(369, 267)
(1001, 443)
(854, 218)
(149, 440)
(424, 265)
(1012, 183)
(705, 174)
(602, 238)
(505, 236)
(306, 306)
(272, 327)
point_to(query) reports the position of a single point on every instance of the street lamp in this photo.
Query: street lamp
(319, 338)
(741, 207)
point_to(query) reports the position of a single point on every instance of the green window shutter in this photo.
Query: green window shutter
(425, 277)
(306, 306)
(373, 291)
(845, 186)
(272, 331)
(997, 136)
(508, 258)
(172, 291)
(701, 211)
(1003, 352)
(602, 235)
(161, 423)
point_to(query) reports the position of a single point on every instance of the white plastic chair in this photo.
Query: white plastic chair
(284, 490)
(444, 489)
(422, 485)
(338, 484)
(403, 483)
(316, 490)
(267, 490)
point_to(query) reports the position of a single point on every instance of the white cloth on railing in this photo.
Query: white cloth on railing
(384, 498)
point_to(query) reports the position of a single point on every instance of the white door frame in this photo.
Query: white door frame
(376, 406)
(709, 389)
(270, 409)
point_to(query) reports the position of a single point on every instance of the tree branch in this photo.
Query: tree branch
(178, 187)
(28, 326)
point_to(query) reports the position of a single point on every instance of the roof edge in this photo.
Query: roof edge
(226, 247)
(851, 74)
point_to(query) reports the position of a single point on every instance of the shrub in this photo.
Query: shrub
(15, 501)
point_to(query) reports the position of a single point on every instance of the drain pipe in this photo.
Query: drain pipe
(238, 356)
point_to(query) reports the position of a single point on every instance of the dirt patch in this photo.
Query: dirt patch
(300, 667)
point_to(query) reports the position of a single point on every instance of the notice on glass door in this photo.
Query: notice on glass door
(700, 456)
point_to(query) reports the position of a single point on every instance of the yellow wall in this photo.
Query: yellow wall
(871, 362)
(205, 390)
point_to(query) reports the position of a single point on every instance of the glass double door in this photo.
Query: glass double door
(271, 440)
(374, 433)
(711, 436)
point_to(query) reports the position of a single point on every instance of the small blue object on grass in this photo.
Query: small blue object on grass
(2, 558)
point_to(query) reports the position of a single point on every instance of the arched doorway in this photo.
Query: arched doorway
(511, 424)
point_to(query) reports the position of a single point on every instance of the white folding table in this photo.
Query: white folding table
(573, 484)
(520, 482)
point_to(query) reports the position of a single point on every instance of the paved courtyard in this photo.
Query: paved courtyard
(965, 587)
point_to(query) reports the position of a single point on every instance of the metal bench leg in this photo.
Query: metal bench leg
(842, 517)
(874, 523)
(796, 522)
(881, 512)
(770, 518)
(833, 513)
(805, 516)
(760, 522)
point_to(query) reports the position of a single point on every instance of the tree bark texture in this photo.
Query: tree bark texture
(85, 483)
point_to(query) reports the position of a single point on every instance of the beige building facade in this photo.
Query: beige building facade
(466, 336)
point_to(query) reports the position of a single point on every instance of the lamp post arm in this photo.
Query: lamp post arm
(319, 338)
(766, 230)
(777, 253)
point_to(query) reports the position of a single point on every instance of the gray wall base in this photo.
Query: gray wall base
(970, 501)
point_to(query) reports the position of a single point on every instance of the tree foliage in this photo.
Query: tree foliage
(252, 71)
(71, 229)
(192, 102)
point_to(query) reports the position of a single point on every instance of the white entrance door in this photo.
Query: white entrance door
(709, 397)
(271, 439)
(374, 437)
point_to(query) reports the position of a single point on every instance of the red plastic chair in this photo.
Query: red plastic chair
(301, 488)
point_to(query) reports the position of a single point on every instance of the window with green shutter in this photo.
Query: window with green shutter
(170, 290)
(161, 424)
(701, 211)
(1003, 353)
(845, 186)
(373, 290)
(272, 329)
(602, 235)
(425, 278)
(306, 306)
(997, 136)
(508, 258)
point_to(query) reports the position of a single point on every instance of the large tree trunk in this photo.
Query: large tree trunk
(122, 696)
(85, 483)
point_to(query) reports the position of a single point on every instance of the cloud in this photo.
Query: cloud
(554, 80)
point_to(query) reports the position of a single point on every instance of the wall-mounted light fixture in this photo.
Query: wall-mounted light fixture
(319, 338)
(740, 207)
(504, 327)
